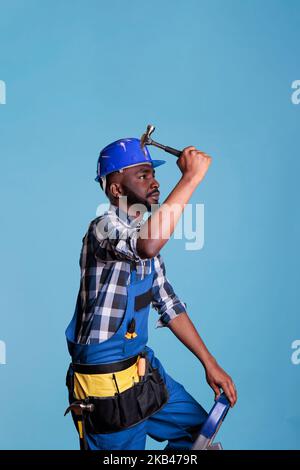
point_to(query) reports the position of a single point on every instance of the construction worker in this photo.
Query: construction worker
(122, 275)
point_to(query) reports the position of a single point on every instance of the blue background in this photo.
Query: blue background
(216, 74)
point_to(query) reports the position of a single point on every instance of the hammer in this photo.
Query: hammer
(146, 140)
(81, 410)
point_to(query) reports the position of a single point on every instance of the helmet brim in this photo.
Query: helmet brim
(158, 163)
(155, 163)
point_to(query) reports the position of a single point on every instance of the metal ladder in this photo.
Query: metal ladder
(212, 425)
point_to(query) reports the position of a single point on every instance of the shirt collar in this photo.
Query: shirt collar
(124, 216)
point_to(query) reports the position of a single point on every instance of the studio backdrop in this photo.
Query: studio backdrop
(222, 75)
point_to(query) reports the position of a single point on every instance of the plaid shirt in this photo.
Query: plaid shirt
(108, 251)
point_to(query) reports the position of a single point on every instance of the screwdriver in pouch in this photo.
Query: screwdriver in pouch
(142, 366)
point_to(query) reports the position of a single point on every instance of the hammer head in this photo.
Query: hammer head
(145, 139)
(79, 408)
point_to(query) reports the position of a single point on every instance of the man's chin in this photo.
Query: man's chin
(150, 203)
(153, 206)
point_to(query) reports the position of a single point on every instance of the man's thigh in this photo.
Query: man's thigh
(180, 420)
(129, 439)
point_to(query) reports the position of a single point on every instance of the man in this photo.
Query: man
(122, 274)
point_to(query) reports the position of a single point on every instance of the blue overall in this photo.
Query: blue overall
(179, 420)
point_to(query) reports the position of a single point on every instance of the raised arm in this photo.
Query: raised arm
(160, 226)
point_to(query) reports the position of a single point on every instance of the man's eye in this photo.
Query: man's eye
(142, 176)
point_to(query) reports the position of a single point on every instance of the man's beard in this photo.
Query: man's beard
(133, 198)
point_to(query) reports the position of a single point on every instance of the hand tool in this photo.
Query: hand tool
(81, 410)
(146, 140)
(142, 366)
(131, 334)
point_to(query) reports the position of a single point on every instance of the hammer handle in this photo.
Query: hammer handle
(175, 152)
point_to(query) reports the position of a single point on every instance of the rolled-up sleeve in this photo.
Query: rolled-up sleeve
(165, 301)
(114, 240)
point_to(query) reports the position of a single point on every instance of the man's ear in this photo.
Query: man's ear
(115, 190)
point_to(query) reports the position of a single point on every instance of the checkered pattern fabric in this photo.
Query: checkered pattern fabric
(108, 254)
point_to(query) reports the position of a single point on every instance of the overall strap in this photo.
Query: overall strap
(133, 270)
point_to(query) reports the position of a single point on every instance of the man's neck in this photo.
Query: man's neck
(134, 212)
(127, 214)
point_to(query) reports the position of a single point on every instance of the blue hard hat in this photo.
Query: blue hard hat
(122, 154)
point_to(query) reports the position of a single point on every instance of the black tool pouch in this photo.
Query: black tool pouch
(125, 409)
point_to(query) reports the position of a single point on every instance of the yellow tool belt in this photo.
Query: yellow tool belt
(122, 393)
(105, 385)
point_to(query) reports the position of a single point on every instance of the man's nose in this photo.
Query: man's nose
(154, 183)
